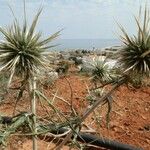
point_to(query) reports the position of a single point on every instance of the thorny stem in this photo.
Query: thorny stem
(33, 109)
(101, 100)
(101, 86)
(71, 97)
(67, 138)
(21, 90)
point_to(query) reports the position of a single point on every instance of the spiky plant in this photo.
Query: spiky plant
(100, 70)
(22, 53)
(135, 54)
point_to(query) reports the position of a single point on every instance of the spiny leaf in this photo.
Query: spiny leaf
(135, 54)
(22, 51)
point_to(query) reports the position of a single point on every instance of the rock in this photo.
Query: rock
(126, 124)
(147, 127)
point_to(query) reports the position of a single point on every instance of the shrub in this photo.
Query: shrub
(23, 53)
(135, 54)
(97, 68)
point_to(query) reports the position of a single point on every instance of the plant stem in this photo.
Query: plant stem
(33, 109)
(101, 100)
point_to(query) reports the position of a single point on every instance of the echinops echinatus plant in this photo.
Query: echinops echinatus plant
(23, 53)
(135, 54)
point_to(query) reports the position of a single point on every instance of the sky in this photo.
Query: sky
(80, 19)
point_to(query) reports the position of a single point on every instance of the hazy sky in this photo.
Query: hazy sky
(87, 19)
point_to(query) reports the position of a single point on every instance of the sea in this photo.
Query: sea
(86, 44)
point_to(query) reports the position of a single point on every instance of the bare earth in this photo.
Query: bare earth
(130, 118)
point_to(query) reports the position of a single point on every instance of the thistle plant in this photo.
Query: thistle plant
(23, 53)
(135, 54)
(100, 71)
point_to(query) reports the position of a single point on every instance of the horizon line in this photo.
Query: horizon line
(87, 39)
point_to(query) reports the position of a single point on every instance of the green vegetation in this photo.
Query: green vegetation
(22, 54)
(101, 71)
(3, 86)
(135, 55)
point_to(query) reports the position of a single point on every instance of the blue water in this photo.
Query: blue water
(90, 44)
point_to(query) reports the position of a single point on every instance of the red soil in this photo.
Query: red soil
(130, 117)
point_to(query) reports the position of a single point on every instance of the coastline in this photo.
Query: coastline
(84, 44)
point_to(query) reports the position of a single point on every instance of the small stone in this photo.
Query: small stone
(19, 142)
(140, 129)
(147, 141)
(143, 117)
(127, 124)
(147, 127)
